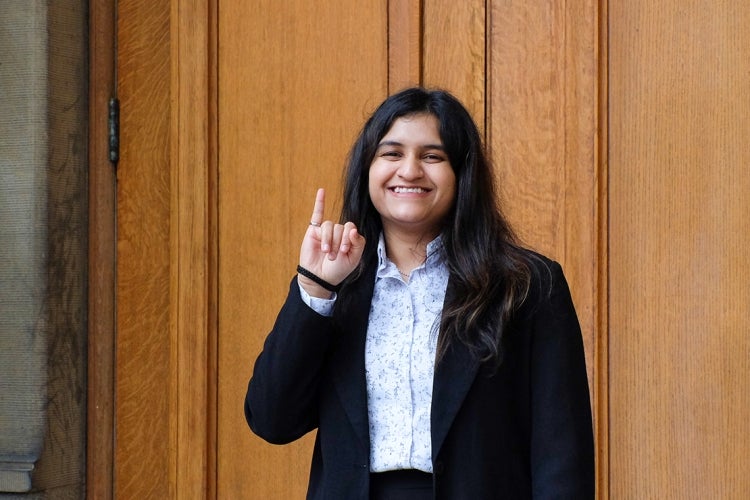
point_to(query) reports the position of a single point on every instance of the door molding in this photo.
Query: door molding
(181, 338)
(193, 244)
(101, 267)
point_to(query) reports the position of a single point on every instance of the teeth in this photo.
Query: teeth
(408, 190)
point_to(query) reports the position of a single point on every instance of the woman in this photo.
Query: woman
(435, 356)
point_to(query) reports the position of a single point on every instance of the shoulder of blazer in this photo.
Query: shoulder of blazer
(546, 276)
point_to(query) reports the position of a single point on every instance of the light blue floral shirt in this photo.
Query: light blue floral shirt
(400, 358)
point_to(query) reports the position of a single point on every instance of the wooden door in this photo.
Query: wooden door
(679, 288)
(297, 80)
(233, 113)
(287, 138)
(619, 132)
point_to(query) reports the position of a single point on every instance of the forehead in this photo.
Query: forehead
(414, 128)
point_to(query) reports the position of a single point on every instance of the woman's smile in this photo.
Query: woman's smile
(411, 181)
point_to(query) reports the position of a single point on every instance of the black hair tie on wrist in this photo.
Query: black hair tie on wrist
(320, 281)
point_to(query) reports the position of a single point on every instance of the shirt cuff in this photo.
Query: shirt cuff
(324, 307)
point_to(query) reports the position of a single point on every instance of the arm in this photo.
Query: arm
(562, 446)
(281, 399)
(281, 403)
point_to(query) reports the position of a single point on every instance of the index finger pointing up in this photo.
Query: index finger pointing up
(319, 208)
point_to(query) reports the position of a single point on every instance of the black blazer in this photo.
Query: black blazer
(521, 431)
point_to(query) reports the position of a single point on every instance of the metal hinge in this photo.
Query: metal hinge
(114, 130)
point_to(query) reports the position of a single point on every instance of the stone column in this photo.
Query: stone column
(43, 242)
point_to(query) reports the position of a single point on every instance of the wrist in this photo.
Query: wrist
(313, 289)
(317, 279)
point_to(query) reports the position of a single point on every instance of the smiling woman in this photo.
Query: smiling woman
(435, 356)
(412, 184)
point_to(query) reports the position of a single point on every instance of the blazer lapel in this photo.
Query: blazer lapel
(454, 375)
(348, 364)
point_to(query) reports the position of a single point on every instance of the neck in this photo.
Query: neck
(406, 250)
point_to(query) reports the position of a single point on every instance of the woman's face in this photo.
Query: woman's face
(411, 182)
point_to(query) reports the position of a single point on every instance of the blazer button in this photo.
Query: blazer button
(438, 467)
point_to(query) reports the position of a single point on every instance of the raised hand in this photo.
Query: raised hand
(329, 250)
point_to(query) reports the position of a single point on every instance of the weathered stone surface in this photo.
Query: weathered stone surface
(43, 242)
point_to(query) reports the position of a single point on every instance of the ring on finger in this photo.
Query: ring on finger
(316, 224)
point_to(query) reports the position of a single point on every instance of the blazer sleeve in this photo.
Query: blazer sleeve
(281, 403)
(562, 445)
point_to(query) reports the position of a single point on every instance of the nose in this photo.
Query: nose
(410, 168)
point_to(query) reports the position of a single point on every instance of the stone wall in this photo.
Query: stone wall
(43, 246)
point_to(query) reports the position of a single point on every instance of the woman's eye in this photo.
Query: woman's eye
(392, 154)
(433, 157)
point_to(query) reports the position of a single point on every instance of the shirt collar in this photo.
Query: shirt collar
(387, 268)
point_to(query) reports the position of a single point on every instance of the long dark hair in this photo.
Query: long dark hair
(489, 270)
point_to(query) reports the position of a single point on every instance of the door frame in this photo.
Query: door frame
(193, 160)
(101, 262)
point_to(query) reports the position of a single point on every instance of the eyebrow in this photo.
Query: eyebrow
(439, 147)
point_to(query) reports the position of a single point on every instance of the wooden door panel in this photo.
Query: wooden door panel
(454, 51)
(679, 294)
(296, 80)
(143, 366)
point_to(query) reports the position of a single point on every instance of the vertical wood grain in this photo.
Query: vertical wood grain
(192, 270)
(404, 44)
(144, 369)
(294, 91)
(679, 295)
(213, 251)
(101, 270)
(166, 373)
(527, 121)
(454, 54)
(543, 116)
(600, 387)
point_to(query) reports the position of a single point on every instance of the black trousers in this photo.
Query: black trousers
(401, 485)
